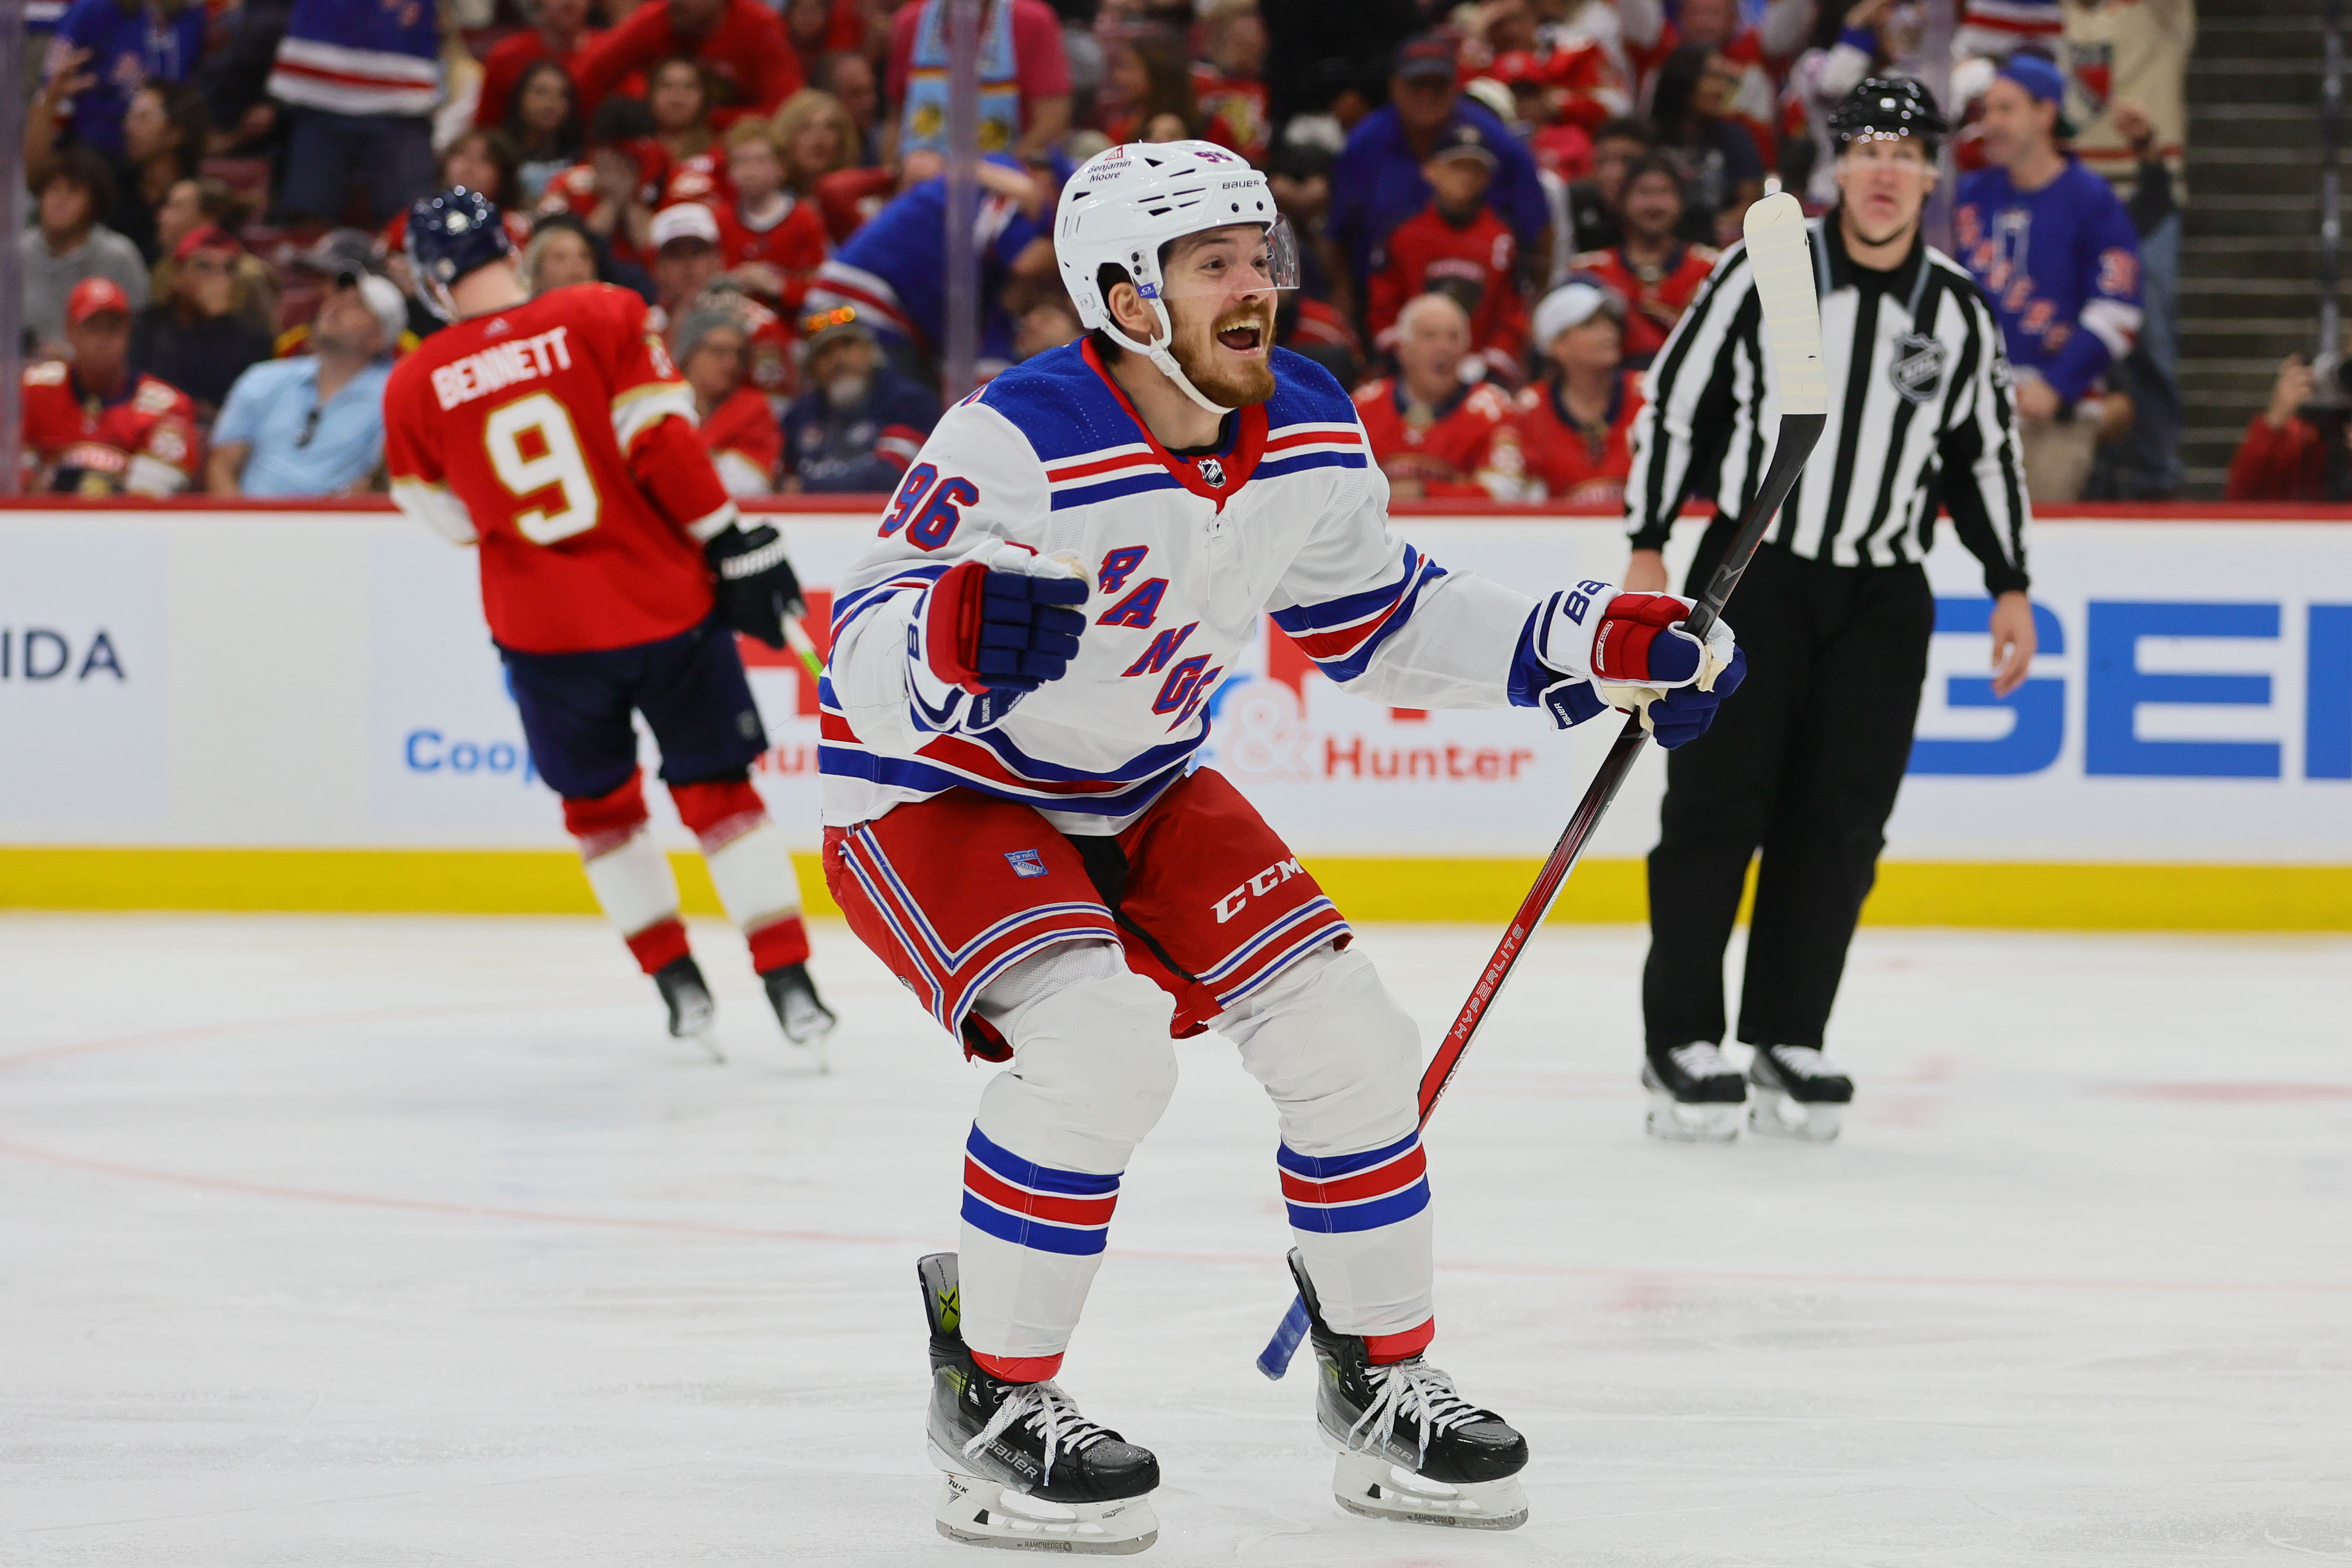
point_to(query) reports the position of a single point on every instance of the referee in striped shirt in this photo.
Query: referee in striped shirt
(1835, 614)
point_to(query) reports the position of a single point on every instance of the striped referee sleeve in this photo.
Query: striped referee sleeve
(1679, 436)
(1983, 468)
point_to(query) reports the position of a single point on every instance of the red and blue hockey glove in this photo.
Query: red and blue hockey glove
(1631, 648)
(987, 630)
(756, 586)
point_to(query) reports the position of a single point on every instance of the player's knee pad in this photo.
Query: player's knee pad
(603, 822)
(1340, 1058)
(1093, 1068)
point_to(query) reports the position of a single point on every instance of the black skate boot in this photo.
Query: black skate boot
(1695, 1095)
(1409, 1446)
(1023, 1468)
(689, 999)
(1798, 1093)
(807, 1021)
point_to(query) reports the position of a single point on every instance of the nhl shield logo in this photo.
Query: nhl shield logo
(1918, 369)
(1213, 472)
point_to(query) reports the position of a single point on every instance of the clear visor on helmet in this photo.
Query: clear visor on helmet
(1240, 259)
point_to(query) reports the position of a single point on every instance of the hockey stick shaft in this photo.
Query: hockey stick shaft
(1784, 285)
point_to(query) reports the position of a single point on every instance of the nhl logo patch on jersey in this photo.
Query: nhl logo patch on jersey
(1026, 862)
(1213, 472)
(1918, 368)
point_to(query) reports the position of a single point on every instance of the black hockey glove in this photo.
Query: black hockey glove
(757, 588)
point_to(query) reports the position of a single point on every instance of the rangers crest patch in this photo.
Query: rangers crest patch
(1026, 862)
(1917, 372)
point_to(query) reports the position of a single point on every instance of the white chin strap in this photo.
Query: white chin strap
(1163, 360)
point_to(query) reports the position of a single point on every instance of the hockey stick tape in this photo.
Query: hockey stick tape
(1783, 265)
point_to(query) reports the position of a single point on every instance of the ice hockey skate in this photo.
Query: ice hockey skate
(807, 1021)
(1024, 1469)
(1410, 1447)
(1799, 1095)
(1695, 1095)
(687, 996)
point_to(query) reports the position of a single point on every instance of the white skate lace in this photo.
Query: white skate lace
(1412, 1387)
(1700, 1059)
(1804, 1060)
(1046, 1410)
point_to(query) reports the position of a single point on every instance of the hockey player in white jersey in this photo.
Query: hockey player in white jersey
(1017, 825)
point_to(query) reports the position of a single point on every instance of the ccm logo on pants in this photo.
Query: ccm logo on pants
(1265, 882)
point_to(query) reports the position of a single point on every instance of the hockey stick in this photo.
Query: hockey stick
(1783, 270)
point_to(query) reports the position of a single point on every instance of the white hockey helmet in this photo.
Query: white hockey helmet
(1123, 206)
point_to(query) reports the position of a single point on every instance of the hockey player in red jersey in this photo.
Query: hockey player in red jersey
(96, 427)
(556, 434)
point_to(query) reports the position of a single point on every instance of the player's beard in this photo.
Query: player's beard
(1217, 375)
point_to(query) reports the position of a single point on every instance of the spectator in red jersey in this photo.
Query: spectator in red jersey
(1432, 432)
(613, 194)
(1150, 76)
(738, 428)
(1229, 87)
(559, 32)
(194, 337)
(770, 240)
(96, 427)
(817, 137)
(2283, 456)
(1457, 246)
(542, 126)
(1576, 424)
(1723, 164)
(1025, 77)
(740, 43)
(849, 79)
(1652, 270)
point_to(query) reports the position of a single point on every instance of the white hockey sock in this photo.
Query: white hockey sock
(633, 883)
(754, 875)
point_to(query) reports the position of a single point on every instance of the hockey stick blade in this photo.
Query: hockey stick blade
(1781, 262)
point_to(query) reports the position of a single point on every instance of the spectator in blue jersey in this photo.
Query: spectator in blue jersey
(893, 271)
(2057, 255)
(860, 422)
(1377, 182)
(359, 82)
(106, 50)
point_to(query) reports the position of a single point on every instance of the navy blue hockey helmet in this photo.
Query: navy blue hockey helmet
(449, 236)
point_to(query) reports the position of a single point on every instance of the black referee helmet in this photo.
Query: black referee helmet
(1890, 106)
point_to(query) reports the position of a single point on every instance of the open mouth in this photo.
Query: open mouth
(1243, 339)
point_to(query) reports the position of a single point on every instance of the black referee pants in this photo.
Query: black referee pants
(1802, 763)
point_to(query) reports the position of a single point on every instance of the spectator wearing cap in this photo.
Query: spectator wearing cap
(360, 83)
(95, 427)
(314, 426)
(740, 43)
(1455, 245)
(1025, 77)
(194, 335)
(1576, 424)
(1378, 182)
(736, 426)
(1651, 270)
(860, 422)
(105, 51)
(67, 244)
(1433, 432)
(686, 258)
(2070, 305)
(558, 33)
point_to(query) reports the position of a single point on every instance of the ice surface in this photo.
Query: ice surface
(345, 1241)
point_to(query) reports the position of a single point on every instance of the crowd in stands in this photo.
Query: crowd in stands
(1504, 207)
